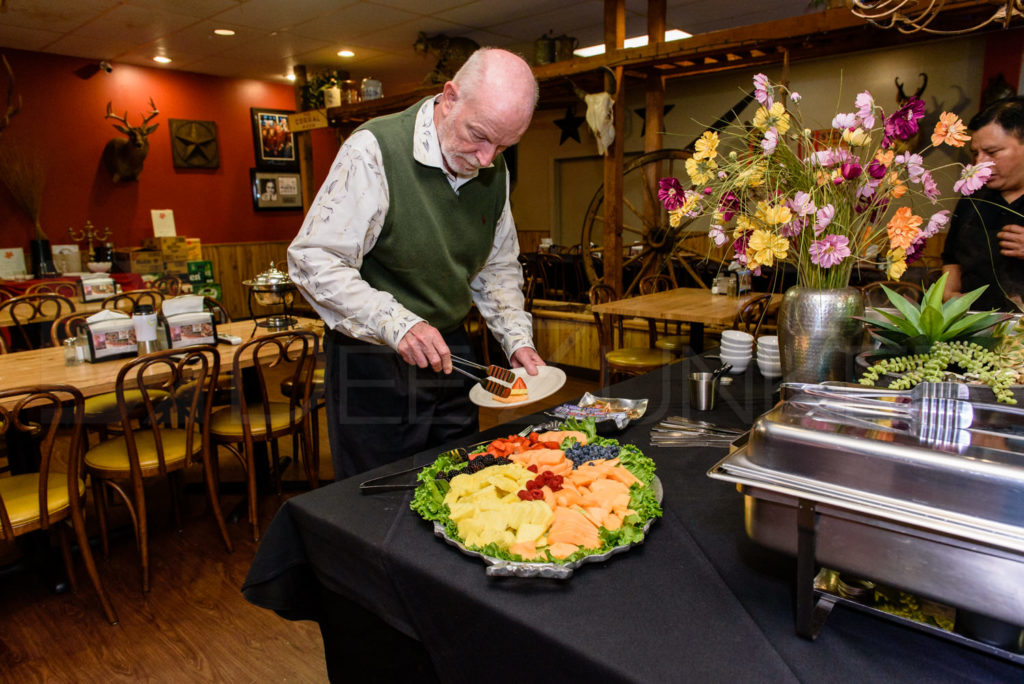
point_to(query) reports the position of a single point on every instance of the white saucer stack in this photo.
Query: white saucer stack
(737, 350)
(768, 361)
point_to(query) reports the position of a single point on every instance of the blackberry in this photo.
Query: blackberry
(590, 452)
(474, 466)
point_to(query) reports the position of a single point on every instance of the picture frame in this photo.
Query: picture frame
(272, 139)
(275, 190)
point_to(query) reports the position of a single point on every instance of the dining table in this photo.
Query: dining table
(696, 601)
(692, 305)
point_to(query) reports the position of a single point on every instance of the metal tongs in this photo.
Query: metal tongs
(489, 382)
(678, 431)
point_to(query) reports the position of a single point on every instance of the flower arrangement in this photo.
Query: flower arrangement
(779, 198)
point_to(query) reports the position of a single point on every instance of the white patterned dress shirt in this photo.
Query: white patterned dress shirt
(343, 225)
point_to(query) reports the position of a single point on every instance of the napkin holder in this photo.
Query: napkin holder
(189, 328)
(110, 338)
(95, 288)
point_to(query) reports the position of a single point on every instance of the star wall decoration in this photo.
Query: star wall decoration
(194, 144)
(570, 125)
(642, 113)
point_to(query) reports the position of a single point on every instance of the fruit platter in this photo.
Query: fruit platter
(540, 505)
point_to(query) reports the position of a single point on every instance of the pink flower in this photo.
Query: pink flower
(670, 192)
(793, 228)
(866, 109)
(844, 121)
(914, 164)
(829, 251)
(931, 188)
(802, 203)
(938, 220)
(771, 140)
(973, 177)
(823, 218)
(763, 90)
(795, 96)
(717, 233)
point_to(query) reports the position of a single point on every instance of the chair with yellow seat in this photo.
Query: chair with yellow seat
(153, 447)
(677, 343)
(257, 415)
(44, 498)
(318, 399)
(621, 360)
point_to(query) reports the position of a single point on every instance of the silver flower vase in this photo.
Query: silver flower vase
(819, 338)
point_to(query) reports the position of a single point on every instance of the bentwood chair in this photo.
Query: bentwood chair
(32, 316)
(676, 343)
(66, 288)
(874, 295)
(150, 448)
(44, 498)
(67, 326)
(217, 309)
(756, 316)
(616, 361)
(127, 301)
(259, 415)
(169, 285)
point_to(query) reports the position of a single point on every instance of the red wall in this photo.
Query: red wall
(62, 123)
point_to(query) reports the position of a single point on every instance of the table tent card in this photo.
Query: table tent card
(12, 262)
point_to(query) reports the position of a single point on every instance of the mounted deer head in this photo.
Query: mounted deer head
(600, 117)
(913, 142)
(124, 157)
(901, 96)
(13, 104)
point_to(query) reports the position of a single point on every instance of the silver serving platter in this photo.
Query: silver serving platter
(499, 567)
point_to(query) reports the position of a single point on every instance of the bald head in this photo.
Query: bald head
(485, 108)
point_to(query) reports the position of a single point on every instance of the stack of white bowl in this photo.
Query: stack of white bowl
(768, 361)
(737, 350)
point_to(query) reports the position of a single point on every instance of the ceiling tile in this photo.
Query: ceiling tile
(20, 38)
(134, 24)
(280, 44)
(53, 15)
(272, 15)
(353, 20)
(199, 9)
(90, 48)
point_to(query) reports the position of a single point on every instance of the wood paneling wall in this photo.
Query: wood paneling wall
(571, 338)
(234, 262)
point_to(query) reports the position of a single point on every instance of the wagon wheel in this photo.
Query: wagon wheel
(644, 220)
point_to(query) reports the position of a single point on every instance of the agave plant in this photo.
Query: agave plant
(914, 328)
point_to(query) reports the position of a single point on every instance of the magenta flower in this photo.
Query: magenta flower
(973, 177)
(829, 251)
(850, 170)
(903, 123)
(876, 169)
(866, 109)
(823, 218)
(670, 192)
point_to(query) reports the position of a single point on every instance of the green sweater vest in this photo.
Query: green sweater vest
(433, 241)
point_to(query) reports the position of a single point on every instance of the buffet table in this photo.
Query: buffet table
(697, 601)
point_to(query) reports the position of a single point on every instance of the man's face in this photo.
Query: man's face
(473, 134)
(992, 143)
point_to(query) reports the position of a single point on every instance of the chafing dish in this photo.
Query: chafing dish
(942, 518)
(272, 288)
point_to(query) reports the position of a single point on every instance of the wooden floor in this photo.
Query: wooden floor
(193, 625)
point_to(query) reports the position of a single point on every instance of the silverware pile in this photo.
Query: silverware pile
(678, 431)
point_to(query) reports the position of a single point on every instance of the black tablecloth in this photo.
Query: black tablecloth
(697, 601)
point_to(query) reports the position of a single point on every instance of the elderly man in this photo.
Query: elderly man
(985, 245)
(411, 228)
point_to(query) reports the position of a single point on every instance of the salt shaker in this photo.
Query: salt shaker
(144, 319)
(72, 357)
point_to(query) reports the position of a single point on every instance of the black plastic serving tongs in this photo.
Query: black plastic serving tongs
(489, 383)
(381, 484)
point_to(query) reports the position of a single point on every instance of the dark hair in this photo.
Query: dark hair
(1008, 113)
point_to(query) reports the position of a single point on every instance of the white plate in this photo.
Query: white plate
(546, 382)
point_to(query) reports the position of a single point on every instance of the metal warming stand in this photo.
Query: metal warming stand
(272, 289)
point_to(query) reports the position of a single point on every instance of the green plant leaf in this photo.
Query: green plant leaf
(933, 295)
(932, 323)
(897, 322)
(958, 306)
(971, 325)
(909, 311)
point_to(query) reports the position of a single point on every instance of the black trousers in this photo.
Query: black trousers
(381, 409)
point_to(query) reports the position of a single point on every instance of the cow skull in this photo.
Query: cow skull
(600, 114)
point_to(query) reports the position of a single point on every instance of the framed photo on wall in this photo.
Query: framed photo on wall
(273, 139)
(275, 190)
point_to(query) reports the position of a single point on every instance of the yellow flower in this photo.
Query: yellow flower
(897, 264)
(766, 247)
(675, 217)
(700, 173)
(950, 130)
(773, 216)
(903, 228)
(743, 225)
(752, 176)
(775, 117)
(690, 203)
(856, 137)
(706, 146)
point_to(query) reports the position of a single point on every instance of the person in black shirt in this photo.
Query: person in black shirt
(985, 245)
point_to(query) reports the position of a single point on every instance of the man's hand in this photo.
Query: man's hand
(1011, 241)
(528, 358)
(423, 346)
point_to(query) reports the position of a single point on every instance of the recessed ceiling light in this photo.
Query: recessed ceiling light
(162, 59)
(346, 53)
(636, 41)
(290, 77)
(224, 32)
